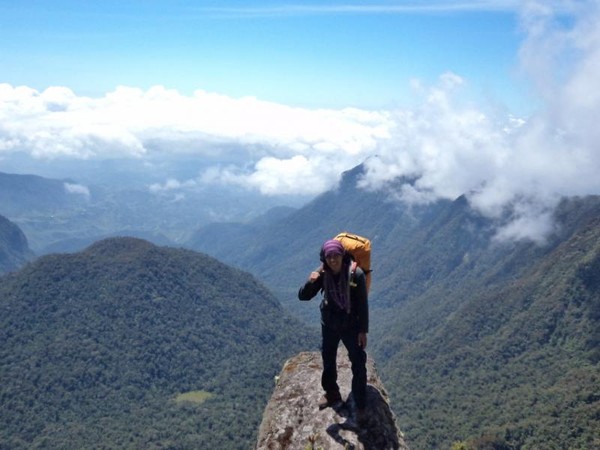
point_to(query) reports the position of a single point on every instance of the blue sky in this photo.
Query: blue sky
(319, 54)
(498, 99)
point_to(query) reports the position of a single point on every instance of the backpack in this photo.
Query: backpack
(360, 249)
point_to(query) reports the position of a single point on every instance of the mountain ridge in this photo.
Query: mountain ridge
(478, 340)
(437, 267)
(522, 343)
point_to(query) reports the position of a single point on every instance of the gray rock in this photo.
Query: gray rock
(292, 419)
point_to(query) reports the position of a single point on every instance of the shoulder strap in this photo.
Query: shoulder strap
(351, 279)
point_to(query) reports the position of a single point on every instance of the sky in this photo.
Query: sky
(495, 99)
(310, 54)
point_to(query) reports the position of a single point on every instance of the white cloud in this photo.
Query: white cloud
(379, 7)
(57, 123)
(271, 147)
(170, 185)
(73, 188)
(449, 148)
(297, 175)
(362, 8)
(509, 166)
(506, 165)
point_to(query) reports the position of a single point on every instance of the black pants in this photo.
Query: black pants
(358, 359)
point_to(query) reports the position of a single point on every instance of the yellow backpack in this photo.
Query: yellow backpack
(360, 249)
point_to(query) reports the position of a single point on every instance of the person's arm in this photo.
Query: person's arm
(312, 286)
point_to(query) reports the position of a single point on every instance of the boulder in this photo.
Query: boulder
(292, 419)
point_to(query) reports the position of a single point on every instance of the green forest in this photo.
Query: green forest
(511, 367)
(481, 344)
(114, 346)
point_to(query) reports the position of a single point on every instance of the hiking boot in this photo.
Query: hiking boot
(331, 398)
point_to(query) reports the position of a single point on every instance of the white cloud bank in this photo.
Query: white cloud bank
(504, 164)
(271, 147)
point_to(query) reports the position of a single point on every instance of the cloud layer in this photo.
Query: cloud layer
(506, 165)
(271, 147)
(372, 7)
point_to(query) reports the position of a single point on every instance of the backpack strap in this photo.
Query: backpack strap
(353, 267)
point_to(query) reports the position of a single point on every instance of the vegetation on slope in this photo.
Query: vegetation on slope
(99, 347)
(511, 368)
(480, 341)
(493, 345)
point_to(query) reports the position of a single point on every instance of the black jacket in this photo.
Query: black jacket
(335, 317)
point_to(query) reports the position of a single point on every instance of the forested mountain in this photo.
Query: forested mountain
(510, 366)
(14, 250)
(129, 345)
(478, 340)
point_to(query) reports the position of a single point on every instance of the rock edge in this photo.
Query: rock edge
(292, 419)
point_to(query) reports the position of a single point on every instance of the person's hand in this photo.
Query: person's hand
(314, 276)
(362, 340)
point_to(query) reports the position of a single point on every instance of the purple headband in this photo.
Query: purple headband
(333, 247)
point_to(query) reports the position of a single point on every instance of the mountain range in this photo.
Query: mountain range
(482, 343)
(69, 214)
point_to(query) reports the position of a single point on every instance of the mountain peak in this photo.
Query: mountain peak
(120, 245)
(352, 176)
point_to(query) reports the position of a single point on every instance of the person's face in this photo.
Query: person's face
(334, 262)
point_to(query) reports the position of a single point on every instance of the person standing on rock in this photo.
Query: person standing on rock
(344, 317)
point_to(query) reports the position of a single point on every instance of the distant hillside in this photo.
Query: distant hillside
(14, 250)
(76, 244)
(437, 271)
(129, 345)
(66, 215)
(32, 193)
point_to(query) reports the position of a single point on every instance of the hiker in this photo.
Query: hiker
(345, 317)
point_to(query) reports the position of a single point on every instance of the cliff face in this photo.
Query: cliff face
(14, 249)
(292, 419)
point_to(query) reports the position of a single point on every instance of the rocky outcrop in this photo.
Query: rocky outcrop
(292, 419)
(14, 249)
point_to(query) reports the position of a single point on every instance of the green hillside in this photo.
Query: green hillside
(129, 345)
(516, 367)
(480, 341)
